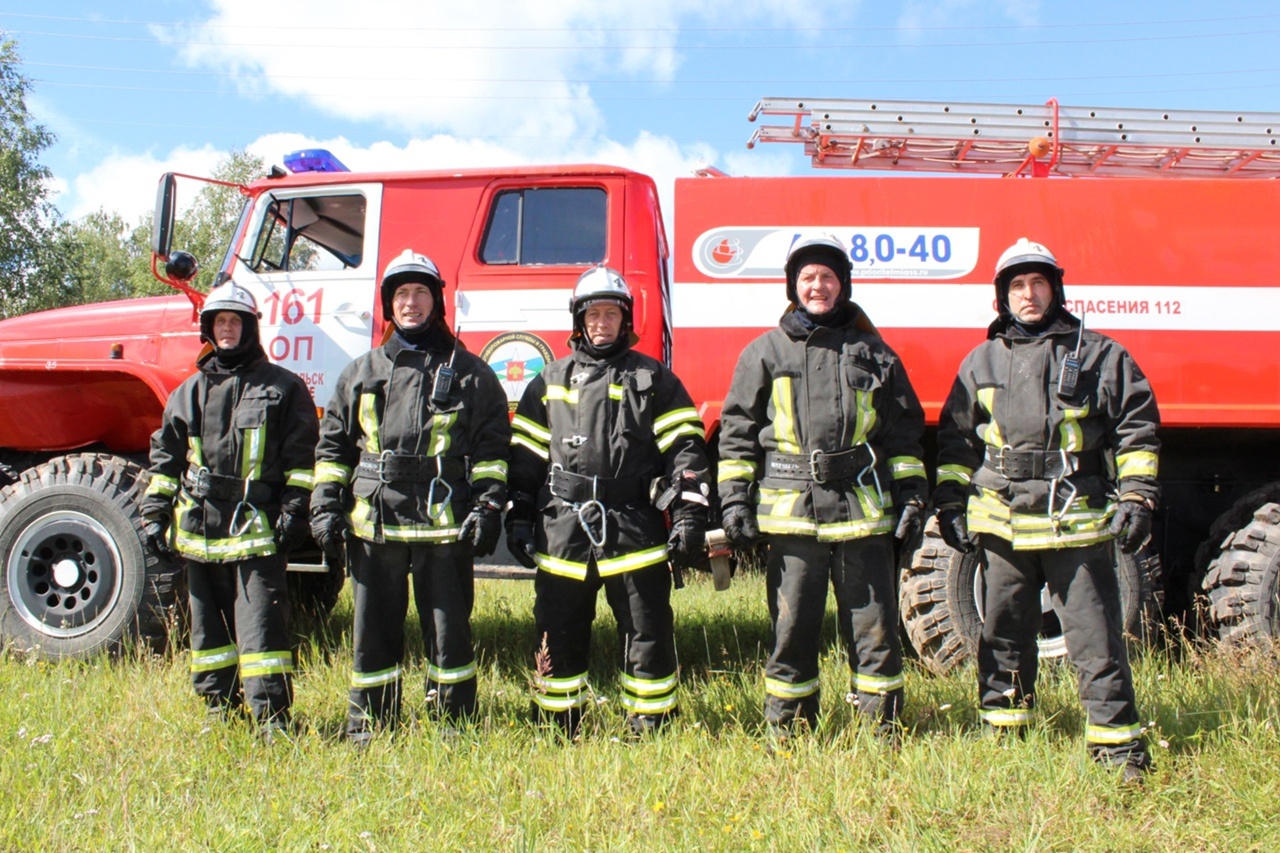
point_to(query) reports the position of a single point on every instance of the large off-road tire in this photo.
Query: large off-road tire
(941, 598)
(75, 579)
(1241, 583)
(1220, 532)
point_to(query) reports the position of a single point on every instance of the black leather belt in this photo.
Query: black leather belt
(1041, 464)
(389, 467)
(820, 466)
(203, 484)
(576, 488)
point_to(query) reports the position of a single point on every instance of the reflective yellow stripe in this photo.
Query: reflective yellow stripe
(260, 664)
(563, 394)
(375, 679)
(207, 660)
(1136, 463)
(864, 683)
(903, 467)
(864, 417)
(1070, 431)
(1084, 525)
(442, 529)
(687, 415)
(1003, 717)
(615, 392)
(539, 450)
(495, 470)
(369, 423)
(162, 485)
(251, 454)
(669, 438)
(784, 426)
(564, 684)
(735, 469)
(1112, 734)
(256, 541)
(302, 478)
(196, 445)
(332, 472)
(456, 675)
(563, 568)
(961, 474)
(632, 561)
(636, 705)
(648, 686)
(534, 430)
(559, 694)
(992, 434)
(784, 690)
(441, 433)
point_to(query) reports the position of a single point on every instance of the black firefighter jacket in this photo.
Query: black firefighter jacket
(624, 417)
(1006, 396)
(381, 411)
(245, 441)
(796, 391)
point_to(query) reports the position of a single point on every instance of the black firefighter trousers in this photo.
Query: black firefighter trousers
(563, 611)
(861, 571)
(1086, 598)
(444, 592)
(240, 636)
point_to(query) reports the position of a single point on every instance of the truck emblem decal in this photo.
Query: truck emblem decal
(516, 358)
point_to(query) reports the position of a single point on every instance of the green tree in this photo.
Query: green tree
(30, 229)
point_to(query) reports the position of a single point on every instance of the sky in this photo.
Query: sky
(134, 88)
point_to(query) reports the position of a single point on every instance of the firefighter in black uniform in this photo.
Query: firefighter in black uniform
(411, 475)
(1047, 452)
(231, 476)
(603, 441)
(820, 451)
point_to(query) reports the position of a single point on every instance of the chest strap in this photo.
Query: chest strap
(819, 466)
(1041, 464)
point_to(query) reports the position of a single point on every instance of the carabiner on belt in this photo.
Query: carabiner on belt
(875, 476)
(431, 492)
(240, 529)
(1068, 468)
(585, 523)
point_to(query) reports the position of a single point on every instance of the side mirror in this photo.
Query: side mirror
(181, 266)
(162, 223)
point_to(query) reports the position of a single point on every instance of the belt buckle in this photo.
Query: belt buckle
(382, 465)
(200, 482)
(999, 459)
(815, 459)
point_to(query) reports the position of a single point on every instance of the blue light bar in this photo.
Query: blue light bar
(313, 160)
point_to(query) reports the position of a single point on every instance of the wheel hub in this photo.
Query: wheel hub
(63, 573)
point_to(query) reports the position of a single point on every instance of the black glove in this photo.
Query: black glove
(520, 543)
(687, 541)
(291, 531)
(954, 527)
(739, 522)
(155, 535)
(481, 528)
(329, 529)
(1131, 525)
(909, 522)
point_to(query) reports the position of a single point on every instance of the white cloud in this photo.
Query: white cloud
(917, 15)
(500, 68)
(126, 183)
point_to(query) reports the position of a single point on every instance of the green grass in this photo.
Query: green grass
(117, 755)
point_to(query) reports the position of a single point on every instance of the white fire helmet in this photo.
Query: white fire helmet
(411, 266)
(820, 249)
(1022, 257)
(230, 296)
(601, 284)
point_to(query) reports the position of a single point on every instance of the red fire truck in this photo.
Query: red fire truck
(1162, 221)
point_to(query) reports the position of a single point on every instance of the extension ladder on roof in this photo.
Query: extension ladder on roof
(1014, 139)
